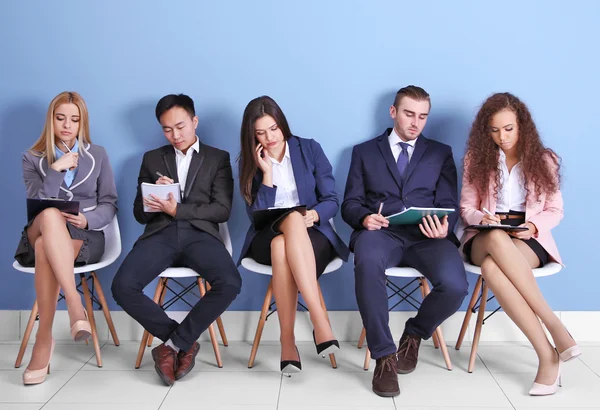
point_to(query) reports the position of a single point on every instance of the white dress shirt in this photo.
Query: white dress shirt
(394, 140)
(184, 161)
(283, 178)
(512, 194)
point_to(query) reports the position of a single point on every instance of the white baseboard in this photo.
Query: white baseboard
(347, 325)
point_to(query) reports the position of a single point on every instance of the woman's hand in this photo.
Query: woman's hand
(78, 221)
(263, 160)
(490, 220)
(67, 161)
(525, 235)
(311, 218)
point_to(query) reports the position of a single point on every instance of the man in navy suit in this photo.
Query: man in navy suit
(401, 168)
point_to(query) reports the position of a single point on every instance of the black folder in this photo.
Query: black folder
(35, 206)
(265, 217)
(508, 228)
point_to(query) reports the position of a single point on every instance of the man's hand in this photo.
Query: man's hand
(433, 228)
(168, 206)
(375, 222)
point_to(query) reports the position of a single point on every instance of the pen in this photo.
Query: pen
(159, 174)
(488, 212)
(66, 146)
(380, 208)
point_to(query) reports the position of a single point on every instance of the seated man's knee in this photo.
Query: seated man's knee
(455, 286)
(122, 288)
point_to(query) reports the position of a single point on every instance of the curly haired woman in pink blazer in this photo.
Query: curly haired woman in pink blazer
(511, 178)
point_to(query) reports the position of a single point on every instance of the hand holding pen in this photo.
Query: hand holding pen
(163, 180)
(376, 221)
(489, 218)
(69, 161)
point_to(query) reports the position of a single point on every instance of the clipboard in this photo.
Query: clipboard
(264, 217)
(161, 191)
(508, 228)
(36, 205)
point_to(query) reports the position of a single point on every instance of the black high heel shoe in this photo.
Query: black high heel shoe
(288, 367)
(325, 348)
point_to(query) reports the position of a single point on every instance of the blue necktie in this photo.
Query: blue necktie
(402, 162)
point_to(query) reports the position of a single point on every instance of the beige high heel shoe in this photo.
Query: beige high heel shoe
(570, 353)
(38, 376)
(539, 389)
(81, 330)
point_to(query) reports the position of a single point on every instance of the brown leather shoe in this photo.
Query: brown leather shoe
(187, 360)
(408, 353)
(165, 363)
(385, 379)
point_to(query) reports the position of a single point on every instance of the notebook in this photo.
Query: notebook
(35, 206)
(414, 215)
(265, 217)
(161, 191)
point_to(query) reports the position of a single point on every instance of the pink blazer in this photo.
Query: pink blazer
(545, 213)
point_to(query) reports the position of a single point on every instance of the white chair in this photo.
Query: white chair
(256, 267)
(480, 295)
(112, 250)
(173, 274)
(405, 294)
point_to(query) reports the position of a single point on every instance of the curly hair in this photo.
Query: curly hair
(483, 154)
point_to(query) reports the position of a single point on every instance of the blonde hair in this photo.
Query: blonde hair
(44, 146)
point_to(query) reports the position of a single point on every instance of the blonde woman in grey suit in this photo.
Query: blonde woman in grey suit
(64, 164)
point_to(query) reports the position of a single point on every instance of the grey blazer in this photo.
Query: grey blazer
(94, 185)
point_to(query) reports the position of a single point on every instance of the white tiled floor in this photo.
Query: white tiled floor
(502, 376)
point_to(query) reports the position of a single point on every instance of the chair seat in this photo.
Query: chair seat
(178, 273)
(546, 270)
(404, 272)
(256, 267)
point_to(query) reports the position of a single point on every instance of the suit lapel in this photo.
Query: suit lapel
(85, 166)
(196, 163)
(170, 163)
(420, 148)
(386, 152)
(298, 168)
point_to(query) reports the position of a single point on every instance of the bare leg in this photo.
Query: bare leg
(517, 308)
(60, 252)
(516, 260)
(286, 298)
(301, 260)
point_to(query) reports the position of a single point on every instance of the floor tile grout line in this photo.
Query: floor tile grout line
(164, 398)
(70, 378)
(279, 392)
(588, 366)
(494, 377)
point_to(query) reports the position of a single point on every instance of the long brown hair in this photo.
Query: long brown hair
(483, 154)
(44, 146)
(257, 108)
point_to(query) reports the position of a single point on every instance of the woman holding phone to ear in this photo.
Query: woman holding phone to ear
(64, 164)
(510, 177)
(278, 169)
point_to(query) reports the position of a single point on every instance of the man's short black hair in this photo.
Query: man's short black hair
(175, 100)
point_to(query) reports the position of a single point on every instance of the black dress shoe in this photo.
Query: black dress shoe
(288, 367)
(325, 348)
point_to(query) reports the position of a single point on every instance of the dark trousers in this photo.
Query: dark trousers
(437, 259)
(179, 244)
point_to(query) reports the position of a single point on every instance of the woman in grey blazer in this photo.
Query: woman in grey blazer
(64, 164)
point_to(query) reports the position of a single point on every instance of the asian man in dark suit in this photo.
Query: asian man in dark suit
(401, 168)
(180, 234)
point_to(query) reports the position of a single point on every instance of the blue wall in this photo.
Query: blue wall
(334, 68)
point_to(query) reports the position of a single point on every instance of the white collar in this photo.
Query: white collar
(394, 139)
(285, 155)
(195, 146)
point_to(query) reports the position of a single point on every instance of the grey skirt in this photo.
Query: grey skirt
(91, 251)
